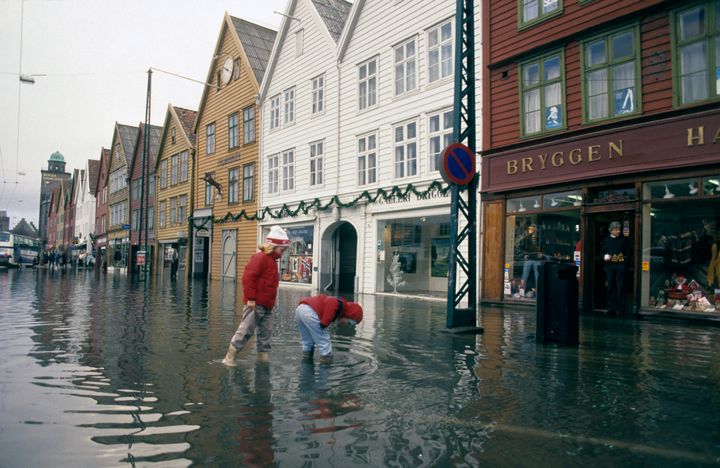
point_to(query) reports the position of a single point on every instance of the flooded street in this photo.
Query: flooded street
(95, 372)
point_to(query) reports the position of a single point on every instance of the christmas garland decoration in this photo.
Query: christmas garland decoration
(304, 207)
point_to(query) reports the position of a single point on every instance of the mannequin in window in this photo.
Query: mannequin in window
(531, 248)
(615, 255)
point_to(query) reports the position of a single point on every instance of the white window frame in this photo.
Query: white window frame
(318, 94)
(369, 97)
(248, 182)
(443, 135)
(275, 112)
(209, 192)
(182, 209)
(210, 138)
(317, 155)
(288, 170)
(289, 106)
(405, 67)
(233, 184)
(404, 164)
(174, 169)
(184, 158)
(367, 172)
(438, 48)
(173, 210)
(162, 214)
(273, 173)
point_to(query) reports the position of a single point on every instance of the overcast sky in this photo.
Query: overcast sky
(95, 54)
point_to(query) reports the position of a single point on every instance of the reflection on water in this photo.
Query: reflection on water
(94, 371)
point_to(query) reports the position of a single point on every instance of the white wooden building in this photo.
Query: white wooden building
(84, 198)
(387, 114)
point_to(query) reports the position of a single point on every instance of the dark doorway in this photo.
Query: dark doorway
(347, 257)
(596, 282)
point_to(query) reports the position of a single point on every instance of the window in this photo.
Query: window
(318, 94)
(696, 38)
(405, 67)
(367, 159)
(405, 142)
(236, 70)
(174, 169)
(316, 163)
(233, 185)
(273, 173)
(233, 131)
(151, 186)
(209, 192)
(184, 166)
(173, 210)
(217, 82)
(367, 84)
(542, 94)
(248, 125)
(161, 214)
(117, 151)
(611, 75)
(440, 133)
(440, 51)
(135, 220)
(151, 217)
(135, 189)
(296, 263)
(299, 36)
(289, 95)
(274, 112)
(248, 182)
(172, 135)
(288, 170)
(533, 11)
(182, 203)
(210, 134)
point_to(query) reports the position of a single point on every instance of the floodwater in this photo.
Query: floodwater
(95, 372)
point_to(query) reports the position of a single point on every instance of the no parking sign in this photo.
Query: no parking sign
(457, 165)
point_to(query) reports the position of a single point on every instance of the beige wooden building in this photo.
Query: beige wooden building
(174, 188)
(227, 130)
(121, 153)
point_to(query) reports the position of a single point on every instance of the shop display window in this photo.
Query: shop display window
(711, 185)
(668, 189)
(562, 200)
(521, 205)
(534, 239)
(681, 250)
(614, 195)
(412, 255)
(296, 264)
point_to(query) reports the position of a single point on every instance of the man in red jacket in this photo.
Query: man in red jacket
(260, 284)
(314, 314)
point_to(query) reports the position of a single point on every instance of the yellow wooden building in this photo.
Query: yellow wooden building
(228, 130)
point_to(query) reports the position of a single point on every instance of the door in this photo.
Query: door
(595, 287)
(229, 253)
(347, 257)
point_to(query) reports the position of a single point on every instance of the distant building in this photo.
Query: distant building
(50, 180)
(4, 221)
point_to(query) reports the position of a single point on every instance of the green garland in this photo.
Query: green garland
(304, 207)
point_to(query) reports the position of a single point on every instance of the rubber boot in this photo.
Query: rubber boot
(229, 359)
(263, 356)
(307, 355)
(328, 359)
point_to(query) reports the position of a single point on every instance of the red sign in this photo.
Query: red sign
(457, 165)
(141, 258)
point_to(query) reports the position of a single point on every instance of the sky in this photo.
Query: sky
(95, 55)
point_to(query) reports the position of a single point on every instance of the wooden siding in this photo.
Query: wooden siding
(101, 208)
(503, 110)
(507, 41)
(219, 105)
(114, 231)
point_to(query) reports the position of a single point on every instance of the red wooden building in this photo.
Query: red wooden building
(101, 211)
(597, 111)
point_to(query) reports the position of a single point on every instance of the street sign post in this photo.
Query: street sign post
(458, 164)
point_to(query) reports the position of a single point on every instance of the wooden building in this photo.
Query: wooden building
(594, 112)
(101, 210)
(174, 171)
(227, 150)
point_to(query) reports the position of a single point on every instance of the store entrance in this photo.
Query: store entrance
(595, 284)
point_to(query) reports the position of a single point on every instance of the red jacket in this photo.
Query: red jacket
(260, 279)
(329, 308)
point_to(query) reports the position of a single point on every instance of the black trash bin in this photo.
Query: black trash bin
(557, 304)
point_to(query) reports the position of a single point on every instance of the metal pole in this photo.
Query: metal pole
(146, 153)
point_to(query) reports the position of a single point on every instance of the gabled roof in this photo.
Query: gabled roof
(104, 163)
(259, 42)
(334, 13)
(76, 178)
(186, 119)
(22, 228)
(155, 133)
(93, 172)
(349, 28)
(128, 139)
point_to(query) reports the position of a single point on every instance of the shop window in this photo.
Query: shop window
(696, 54)
(542, 86)
(296, 264)
(681, 254)
(611, 75)
(521, 205)
(614, 195)
(412, 255)
(669, 189)
(562, 200)
(711, 185)
(534, 239)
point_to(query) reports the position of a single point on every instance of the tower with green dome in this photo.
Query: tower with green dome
(52, 177)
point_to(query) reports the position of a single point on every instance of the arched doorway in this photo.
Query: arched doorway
(339, 259)
(229, 249)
